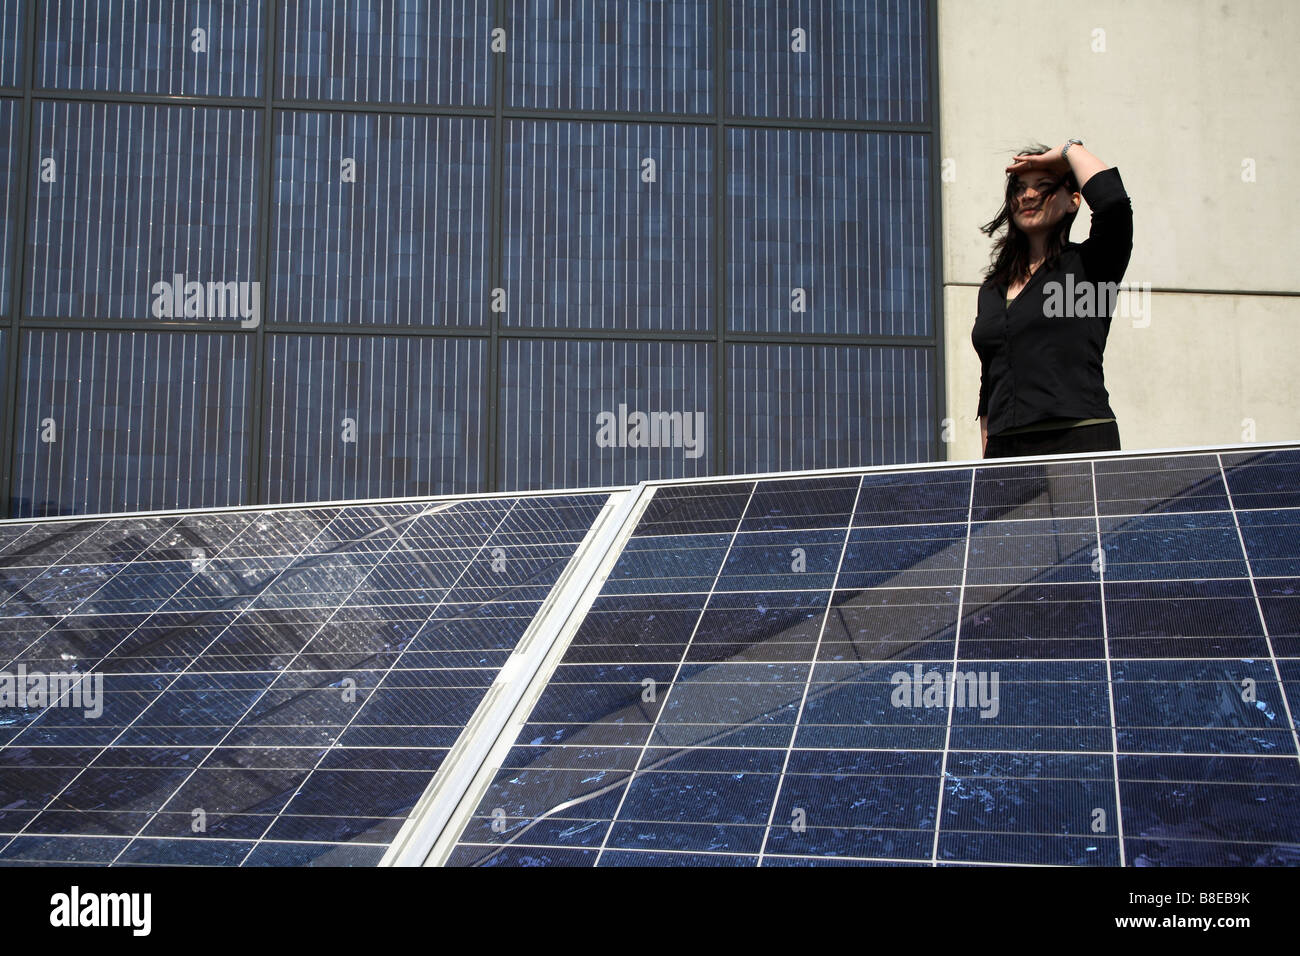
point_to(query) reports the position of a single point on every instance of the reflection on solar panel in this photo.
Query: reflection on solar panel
(278, 686)
(1080, 661)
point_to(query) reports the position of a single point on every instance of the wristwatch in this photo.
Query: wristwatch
(1068, 143)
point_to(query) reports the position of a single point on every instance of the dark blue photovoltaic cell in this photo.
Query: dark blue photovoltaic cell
(140, 195)
(570, 406)
(362, 416)
(829, 232)
(203, 48)
(9, 187)
(1264, 480)
(856, 61)
(1270, 538)
(1016, 663)
(380, 219)
(818, 503)
(828, 406)
(1190, 483)
(608, 226)
(11, 20)
(913, 497)
(602, 55)
(1229, 810)
(1185, 619)
(386, 51)
(4, 354)
(112, 421)
(1056, 490)
(693, 509)
(279, 687)
(1279, 600)
(1172, 546)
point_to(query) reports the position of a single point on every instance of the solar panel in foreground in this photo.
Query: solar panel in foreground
(255, 687)
(1088, 662)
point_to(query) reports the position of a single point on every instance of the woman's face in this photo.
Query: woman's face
(1039, 201)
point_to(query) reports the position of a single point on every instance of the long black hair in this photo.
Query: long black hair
(1010, 258)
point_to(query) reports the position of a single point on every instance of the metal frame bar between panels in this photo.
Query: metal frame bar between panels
(525, 670)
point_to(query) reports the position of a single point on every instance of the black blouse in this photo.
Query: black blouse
(1040, 356)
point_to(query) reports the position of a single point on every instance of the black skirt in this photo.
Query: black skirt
(1058, 441)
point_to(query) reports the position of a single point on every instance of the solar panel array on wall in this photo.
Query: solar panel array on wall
(387, 249)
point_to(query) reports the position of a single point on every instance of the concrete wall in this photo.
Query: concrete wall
(1178, 94)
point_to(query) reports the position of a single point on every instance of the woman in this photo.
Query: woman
(1046, 304)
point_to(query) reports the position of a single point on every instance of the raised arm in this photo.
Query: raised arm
(1077, 160)
(1109, 245)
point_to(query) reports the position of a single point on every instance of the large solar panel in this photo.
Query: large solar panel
(1071, 661)
(1083, 661)
(278, 686)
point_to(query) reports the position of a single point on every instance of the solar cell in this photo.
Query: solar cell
(278, 687)
(1075, 661)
